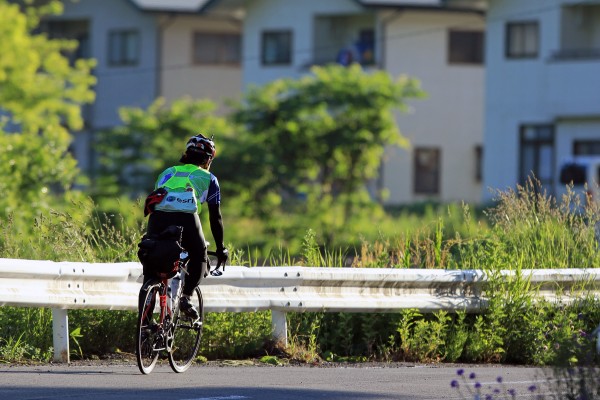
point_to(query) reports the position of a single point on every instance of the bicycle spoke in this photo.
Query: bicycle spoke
(186, 336)
(148, 339)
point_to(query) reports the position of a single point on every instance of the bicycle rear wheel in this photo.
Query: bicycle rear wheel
(148, 339)
(186, 335)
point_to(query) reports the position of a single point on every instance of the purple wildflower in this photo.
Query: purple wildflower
(460, 372)
(454, 383)
(532, 388)
(499, 379)
(477, 385)
(472, 375)
(512, 392)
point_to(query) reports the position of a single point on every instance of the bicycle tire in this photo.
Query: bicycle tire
(186, 335)
(148, 339)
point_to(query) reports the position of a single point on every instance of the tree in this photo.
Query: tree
(133, 154)
(40, 100)
(315, 142)
(306, 146)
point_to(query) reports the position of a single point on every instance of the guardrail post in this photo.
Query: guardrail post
(60, 334)
(279, 325)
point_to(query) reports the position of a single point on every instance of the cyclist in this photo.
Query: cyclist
(188, 186)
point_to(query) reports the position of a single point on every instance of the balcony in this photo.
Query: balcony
(344, 39)
(579, 33)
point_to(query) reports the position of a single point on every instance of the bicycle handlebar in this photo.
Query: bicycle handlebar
(216, 271)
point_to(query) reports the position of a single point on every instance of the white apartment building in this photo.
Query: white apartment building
(147, 49)
(438, 42)
(216, 48)
(542, 89)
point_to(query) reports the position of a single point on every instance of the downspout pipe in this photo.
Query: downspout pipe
(162, 25)
(381, 62)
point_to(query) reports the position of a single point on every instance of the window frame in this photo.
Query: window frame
(122, 60)
(591, 144)
(537, 143)
(418, 187)
(512, 54)
(221, 45)
(478, 59)
(479, 163)
(289, 37)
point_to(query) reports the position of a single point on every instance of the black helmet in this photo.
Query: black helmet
(198, 150)
(201, 144)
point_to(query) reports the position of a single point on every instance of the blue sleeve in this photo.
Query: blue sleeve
(214, 191)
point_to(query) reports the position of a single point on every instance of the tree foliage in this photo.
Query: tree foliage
(307, 146)
(133, 154)
(40, 99)
(315, 142)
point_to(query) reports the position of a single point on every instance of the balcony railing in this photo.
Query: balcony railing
(576, 54)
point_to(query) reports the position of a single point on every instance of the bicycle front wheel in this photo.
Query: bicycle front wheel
(147, 341)
(186, 335)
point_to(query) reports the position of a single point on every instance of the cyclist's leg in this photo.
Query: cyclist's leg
(194, 243)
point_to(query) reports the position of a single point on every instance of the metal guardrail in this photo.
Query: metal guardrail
(72, 285)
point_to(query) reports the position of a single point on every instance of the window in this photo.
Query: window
(522, 39)
(465, 47)
(427, 171)
(217, 48)
(123, 48)
(586, 148)
(277, 48)
(72, 29)
(478, 163)
(537, 154)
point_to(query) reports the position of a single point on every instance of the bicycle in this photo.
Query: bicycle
(165, 328)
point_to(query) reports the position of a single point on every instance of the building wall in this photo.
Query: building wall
(117, 85)
(530, 91)
(415, 44)
(450, 118)
(180, 76)
(285, 14)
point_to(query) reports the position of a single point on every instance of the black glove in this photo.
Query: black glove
(222, 256)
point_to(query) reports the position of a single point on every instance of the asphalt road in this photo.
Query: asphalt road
(401, 382)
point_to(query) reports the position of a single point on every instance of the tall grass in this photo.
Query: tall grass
(524, 229)
(59, 236)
